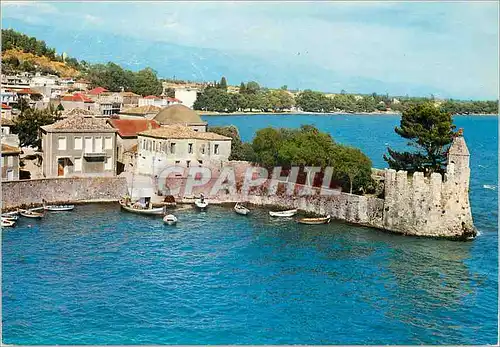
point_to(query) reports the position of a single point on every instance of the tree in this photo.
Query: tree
(243, 88)
(311, 101)
(350, 162)
(252, 87)
(28, 123)
(430, 132)
(147, 83)
(223, 83)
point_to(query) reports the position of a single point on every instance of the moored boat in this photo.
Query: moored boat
(170, 219)
(201, 203)
(59, 207)
(13, 217)
(287, 213)
(8, 222)
(30, 214)
(240, 209)
(315, 221)
(138, 209)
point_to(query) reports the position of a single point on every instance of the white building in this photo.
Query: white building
(152, 100)
(186, 95)
(178, 145)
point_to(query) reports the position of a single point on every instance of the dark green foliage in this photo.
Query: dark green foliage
(223, 83)
(28, 123)
(145, 82)
(308, 146)
(430, 131)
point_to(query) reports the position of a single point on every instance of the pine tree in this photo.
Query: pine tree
(223, 83)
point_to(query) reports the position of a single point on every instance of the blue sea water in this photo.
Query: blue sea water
(101, 276)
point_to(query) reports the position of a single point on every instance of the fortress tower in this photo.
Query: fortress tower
(432, 206)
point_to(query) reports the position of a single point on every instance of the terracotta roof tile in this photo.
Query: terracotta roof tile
(10, 149)
(76, 97)
(142, 110)
(130, 127)
(79, 123)
(182, 132)
(97, 91)
(6, 107)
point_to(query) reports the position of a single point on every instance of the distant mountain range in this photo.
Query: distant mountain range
(197, 64)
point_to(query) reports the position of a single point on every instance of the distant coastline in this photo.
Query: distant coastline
(389, 113)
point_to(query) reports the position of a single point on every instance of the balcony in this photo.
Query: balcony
(94, 154)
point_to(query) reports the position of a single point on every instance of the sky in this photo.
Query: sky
(448, 49)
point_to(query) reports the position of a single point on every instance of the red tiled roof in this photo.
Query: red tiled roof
(169, 99)
(6, 107)
(130, 127)
(76, 97)
(27, 91)
(97, 91)
(152, 97)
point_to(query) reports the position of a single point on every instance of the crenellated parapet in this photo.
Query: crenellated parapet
(431, 206)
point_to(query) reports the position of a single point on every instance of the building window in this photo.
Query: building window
(202, 149)
(78, 164)
(108, 165)
(216, 149)
(78, 142)
(172, 148)
(177, 162)
(200, 161)
(98, 144)
(195, 129)
(188, 162)
(154, 145)
(61, 143)
(10, 161)
(190, 148)
(108, 143)
(88, 144)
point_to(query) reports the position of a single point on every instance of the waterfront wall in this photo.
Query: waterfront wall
(82, 189)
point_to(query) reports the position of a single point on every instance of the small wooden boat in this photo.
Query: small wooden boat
(147, 211)
(170, 219)
(315, 221)
(30, 214)
(8, 222)
(201, 204)
(13, 217)
(59, 207)
(287, 213)
(240, 209)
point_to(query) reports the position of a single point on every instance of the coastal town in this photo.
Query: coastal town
(249, 173)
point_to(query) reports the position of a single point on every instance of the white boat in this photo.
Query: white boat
(59, 207)
(170, 219)
(30, 214)
(315, 221)
(287, 213)
(240, 209)
(138, 209)
(8, 222)
(201, 203)
(13, 217)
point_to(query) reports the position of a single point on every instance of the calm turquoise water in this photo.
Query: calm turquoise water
(102, 276)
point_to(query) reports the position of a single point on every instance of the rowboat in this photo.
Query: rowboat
(240, 209)
(59, 207)
(13, 217)
(147, 211)
(30, 214)
(8, 222)
(170, 219)
(315, 221)
(287, 213)
(201, 203)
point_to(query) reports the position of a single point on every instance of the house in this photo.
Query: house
(147, 112)
(9, 97)
(81, 84)
(96, 91)
(186, 95)
(79, 146)
(6, 112)
(181, 146)
(158, 101)
(10, 162)
(43, 81)
(126, 139)
(129, 99)
(7, 125)
(33, 97)
(181, 115)
(77, 100)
